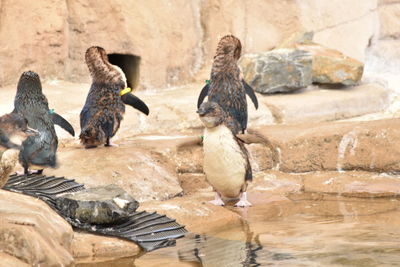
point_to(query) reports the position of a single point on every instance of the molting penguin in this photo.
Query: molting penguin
(31, 103)
(226, 160)
(226, 86)
(13, 131)
(103, 111)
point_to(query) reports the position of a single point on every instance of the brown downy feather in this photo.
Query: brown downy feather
(103, 111)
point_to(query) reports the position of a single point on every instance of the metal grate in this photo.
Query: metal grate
(149, 230)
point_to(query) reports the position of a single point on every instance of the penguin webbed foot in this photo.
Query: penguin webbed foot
(217, 201)
(243, 202)
(27, 172)
(109, 143)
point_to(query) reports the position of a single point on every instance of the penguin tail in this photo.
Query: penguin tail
(92, 137)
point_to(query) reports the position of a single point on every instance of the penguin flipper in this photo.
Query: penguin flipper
(135, 102)
(63, 123)
(249, 173)
(250, 93)
(203, 94)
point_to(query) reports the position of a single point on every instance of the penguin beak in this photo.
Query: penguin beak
(30, 132)
(201, 112)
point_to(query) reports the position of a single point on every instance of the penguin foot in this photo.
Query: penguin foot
(217, 201)
(29, 172)
(110, 143)
(243, 202)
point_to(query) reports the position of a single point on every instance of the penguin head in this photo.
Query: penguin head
(29, 84)
(101, 70)
(95, 58)
(211, 114)
(229, 45)
(14, 130)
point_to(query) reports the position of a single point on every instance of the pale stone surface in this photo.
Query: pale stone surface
(91, 248)
(281, 70)
(336, 146)
(143, 173)
(327, 104)
(352, 184)
(343, 25)
(389, 21)
(33, 232)
(194, 212)
(7, 260)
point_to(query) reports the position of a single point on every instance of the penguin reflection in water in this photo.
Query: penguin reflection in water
(39, 150)
(226, 160)
(103, 112)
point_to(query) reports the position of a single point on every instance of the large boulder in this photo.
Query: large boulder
(333, 67)
(329, 66)
(32, 232)
(281, 70)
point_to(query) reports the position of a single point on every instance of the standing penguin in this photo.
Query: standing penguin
(226, 161)
(103, 111)
(226, 86)
(31, 103)
(13, 131)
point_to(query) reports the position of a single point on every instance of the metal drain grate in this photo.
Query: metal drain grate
(149, 230)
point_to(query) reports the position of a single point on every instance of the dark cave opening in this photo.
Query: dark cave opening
(130, 65)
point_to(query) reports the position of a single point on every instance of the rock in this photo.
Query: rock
(100, 205)
(194, 212)
(352, 184)
(369, 146)
(89, 248)
(142, 171)
(193, 182)
(320, 104)
(297, 38)
(281, 70)
(389, 21)
(10, 261)
(332, 67)
(8, 160)
(329, 66)
(32, 232)
(55, 47)
(345, 26)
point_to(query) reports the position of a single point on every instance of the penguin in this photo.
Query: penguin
(226, 160)
(226, 85)
(104, 108)
(39, 150)
(13, 131)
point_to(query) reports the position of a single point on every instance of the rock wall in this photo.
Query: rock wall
(175, 39)
(385, 49)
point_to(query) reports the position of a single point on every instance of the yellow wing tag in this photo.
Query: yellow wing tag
(125, 91)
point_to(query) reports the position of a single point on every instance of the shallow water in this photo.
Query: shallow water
(308, 230)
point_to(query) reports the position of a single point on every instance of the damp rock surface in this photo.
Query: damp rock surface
(32, 234)
(281, 70)
(100, 205)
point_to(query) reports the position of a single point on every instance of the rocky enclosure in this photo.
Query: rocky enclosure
(175, 40)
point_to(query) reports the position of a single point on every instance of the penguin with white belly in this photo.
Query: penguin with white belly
(226, 161)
